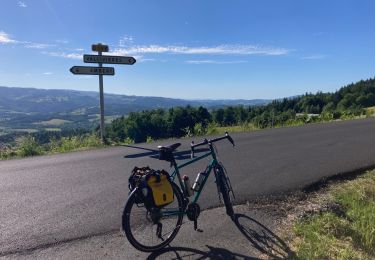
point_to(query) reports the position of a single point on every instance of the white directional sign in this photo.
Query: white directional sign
(92, 70)
(108, 59)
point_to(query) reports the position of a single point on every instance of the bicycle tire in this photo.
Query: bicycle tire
(224, 189)
(134, 236)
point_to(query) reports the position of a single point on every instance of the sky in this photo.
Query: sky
(195, 49)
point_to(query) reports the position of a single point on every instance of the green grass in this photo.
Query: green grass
(370, 111)
(67, 144)
(26, 130)
(347, 234)
(236, 129)
(28, 146)
(52, 129)
(53, 122)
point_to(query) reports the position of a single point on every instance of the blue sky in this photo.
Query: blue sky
(191, 49)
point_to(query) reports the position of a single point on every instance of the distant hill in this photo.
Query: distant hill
(29, 108)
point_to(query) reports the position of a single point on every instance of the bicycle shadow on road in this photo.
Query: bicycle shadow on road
(190, 253)
(261, 238)
(152, 153)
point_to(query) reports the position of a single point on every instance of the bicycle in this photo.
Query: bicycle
(163, 223)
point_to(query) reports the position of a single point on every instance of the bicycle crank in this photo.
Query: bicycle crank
(192, 212)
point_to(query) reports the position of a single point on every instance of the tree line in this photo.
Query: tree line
(348, 101)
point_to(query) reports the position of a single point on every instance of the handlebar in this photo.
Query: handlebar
(210, 141)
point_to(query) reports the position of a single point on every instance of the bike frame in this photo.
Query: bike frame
(208, 170)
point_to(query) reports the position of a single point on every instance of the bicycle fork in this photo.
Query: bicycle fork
(225, 179)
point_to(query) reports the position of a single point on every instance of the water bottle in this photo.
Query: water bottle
(198, 181)
(188, 189)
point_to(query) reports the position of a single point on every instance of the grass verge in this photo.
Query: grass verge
(27, 146)
(346, 229)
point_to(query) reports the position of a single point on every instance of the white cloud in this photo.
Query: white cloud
(85, 77)
(33, 45)
(214, 62)
(125, 40)
(5, 38)
(21, 4)
(77, 56)
(62, 41)
(123, 52)
(47, 73)
(314, 57)
(214, 50)
(144, 59)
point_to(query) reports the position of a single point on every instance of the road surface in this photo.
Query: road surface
(50, 199)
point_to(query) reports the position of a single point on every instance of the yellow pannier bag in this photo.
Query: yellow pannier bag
(161, 188)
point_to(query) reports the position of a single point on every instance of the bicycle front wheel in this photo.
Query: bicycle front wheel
(152, 229)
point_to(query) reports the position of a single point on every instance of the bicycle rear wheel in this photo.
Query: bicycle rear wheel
(152, 229)
(225, 189)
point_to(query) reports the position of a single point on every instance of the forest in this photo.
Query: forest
(349, 101)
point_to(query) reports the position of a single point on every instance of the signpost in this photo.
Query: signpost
(100, 59)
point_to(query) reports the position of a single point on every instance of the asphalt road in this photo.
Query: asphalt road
(56, 198)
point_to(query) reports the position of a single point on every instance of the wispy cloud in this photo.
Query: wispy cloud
(215, 62)
(77, 56)
(126, 40)
(33, 45)
(123, 52)
(5, 38)
(314, 57)
(145, 59)
(213, 50)
(21, 4)
(47, 73)
(62, 41)
(85, 77)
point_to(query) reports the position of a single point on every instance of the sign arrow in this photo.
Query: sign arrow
(92, 70)
(87, 58)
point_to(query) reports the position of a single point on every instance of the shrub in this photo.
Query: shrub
(29, 147)
(199, 129)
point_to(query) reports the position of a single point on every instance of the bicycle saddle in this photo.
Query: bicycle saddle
(166, 152)
(169, 148)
